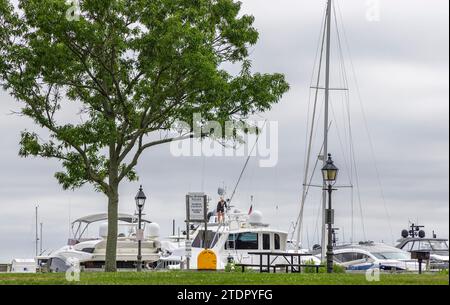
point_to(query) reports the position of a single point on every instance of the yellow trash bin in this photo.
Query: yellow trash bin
(207, 260)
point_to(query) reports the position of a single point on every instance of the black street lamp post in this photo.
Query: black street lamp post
(140, 202)
(329, 173)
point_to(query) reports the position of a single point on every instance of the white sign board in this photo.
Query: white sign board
(188, 248)
(196, 207)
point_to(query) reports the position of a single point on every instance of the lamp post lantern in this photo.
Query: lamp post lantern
(140, 202)
(329, 174)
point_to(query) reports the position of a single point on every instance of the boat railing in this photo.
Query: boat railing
(219, 230)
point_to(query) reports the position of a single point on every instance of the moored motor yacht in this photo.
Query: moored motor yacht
(415, 239)
(231, 241)
(369, 255)
(90, 252)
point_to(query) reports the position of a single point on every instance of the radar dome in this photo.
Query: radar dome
(256, 217)
(405, 233)
(153, 229)
(422, 234)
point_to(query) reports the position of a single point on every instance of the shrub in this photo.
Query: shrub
(231, 267)
(338, 269)
(310, 269)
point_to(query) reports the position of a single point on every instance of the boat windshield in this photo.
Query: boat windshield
(439, 245)
(392, 255)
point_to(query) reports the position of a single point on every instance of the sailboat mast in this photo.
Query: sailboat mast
(36, 231)
(326, 123)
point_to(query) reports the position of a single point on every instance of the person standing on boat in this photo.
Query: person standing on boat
(221, 206)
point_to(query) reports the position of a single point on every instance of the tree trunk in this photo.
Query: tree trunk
(113, 207)
(111, 242)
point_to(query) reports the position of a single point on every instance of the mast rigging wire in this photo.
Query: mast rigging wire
(298, 224)
(246, 163)
(366, 125)
(347, 140)
(352, 151)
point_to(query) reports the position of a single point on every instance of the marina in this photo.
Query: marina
(322, 218)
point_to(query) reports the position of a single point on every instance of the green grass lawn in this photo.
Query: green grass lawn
(220, 278)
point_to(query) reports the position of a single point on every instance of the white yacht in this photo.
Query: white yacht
(90, 251)
(231, 241)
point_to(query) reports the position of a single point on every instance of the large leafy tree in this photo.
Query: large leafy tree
(128, 68)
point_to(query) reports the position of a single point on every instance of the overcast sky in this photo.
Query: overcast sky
(401, 64)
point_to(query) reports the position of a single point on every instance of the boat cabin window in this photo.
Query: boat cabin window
(338, 258)
(345, 257)
(350, 257)
(266, 241)
(88, 250)
(360, 256)
(211, 239)
(276, 238)
(230, 244)
(247, 241)
(243, 241)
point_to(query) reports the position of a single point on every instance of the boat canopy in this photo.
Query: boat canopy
(104, 216)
